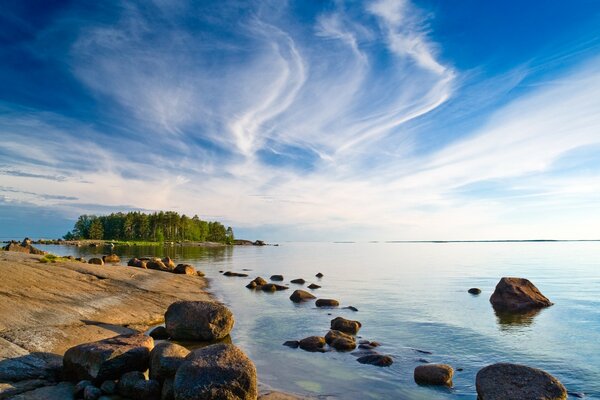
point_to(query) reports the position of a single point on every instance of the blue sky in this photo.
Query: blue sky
(304, 120)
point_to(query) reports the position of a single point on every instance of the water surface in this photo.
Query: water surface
(410, 296)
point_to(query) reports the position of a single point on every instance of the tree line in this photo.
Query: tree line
(156, 227)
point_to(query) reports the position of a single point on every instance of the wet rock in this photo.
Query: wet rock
(91, 393)
(319, 275)
(378, 360)
(517, 382)
(165, 358)
(185, 269)
(434, 374)
(134, 385)
(345, 325)
(198, 320)
(314, 286)
(517, 295)
(96, 261)
(272, 287)
(159, 333)
(301, 295)
(157, 264)
(298, 281)
(220, 371)
(167, 392)
(169, 263)
(294, 344)
(132, 262)
(109, 358)
(260, 281)
(199, 273)
(352, 308)
(474, 290)
(312, 344)
(276, 277)
(251, 285)
(340, 340)
(327, 303)
(111, 258)
(109, 387)
(236, 274)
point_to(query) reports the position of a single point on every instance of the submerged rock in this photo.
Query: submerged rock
(517, 294)
(108, 359)
(434, 374)
(294, 344)
(351, 308)
(340, 340)
(379, 360)
(198, 320)
(220, 371)
(312, 344)
(517, 382)
(345, 325)
(256, 282)
(327, 303)
(301, 295)
(272, 287)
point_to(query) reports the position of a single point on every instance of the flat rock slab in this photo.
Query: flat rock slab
(517, 382)
(108, 359)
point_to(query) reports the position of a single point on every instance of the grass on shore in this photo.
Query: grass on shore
(52, 258)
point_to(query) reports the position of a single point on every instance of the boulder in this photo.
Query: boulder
(132, 262)
(159, 333)
(185, 269)
(80, 387)
(272, 287)
(109, 387)
(299, 281)
(474, 290)
(91, 393)
(169, 263)
(327, 303)
(108, 359)
(312, 344)
(376, 359)
(259, 281)
(301, 295)
(165, 358)
(167, 392)
(198, 320)
(157, 264)
(345, 325)
(516, 295)
(251, 285)
(517, 382)
(314, 286)
(96, 261)
(276, 278)
(220, 371)
(111, 258)
(340, 341)
(434, 374)
(134, 385)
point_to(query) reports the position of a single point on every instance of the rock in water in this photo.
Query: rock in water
(217, 372)
(474, 290)
(434, 374)
(314, 286)
(345, 325)
(24, 247)
(169, 263)
(340, 341)
(319, 275)
(276, 277)
(517, 294)
(157, 264)
(376, 359)
(299, 281)
(96, 261)
(312, 343)
(272, 287)
(165, 358)
(517, 382)
(198, 320)
(112, 258)
(185, 269)
(327, 303)
(301, 295)
(109, 358)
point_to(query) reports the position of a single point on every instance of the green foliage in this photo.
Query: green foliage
(157, 227)
(51, 258)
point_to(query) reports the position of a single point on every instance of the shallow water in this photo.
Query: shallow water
(410, 296)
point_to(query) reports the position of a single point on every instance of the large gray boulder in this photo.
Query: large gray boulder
(217, 372)
(517, 382)
(517, 295)
(198, 320)
(165, 358)
(108, 359)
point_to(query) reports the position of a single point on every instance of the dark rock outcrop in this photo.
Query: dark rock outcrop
(517, 382)
(198, 320)
(108, 359)
(516, 295)
(434, 374)
(345, 325)
(319, 275)
(220, 371)
(301, 295)
(327, 303)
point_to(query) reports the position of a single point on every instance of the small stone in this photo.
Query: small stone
(299, 281)
(378, 360)
(319, 275)
(165, 358)
(314, 286)
(80, 387)
(112, 259)
(252, 285)
(312, 343)
(474, 291)
(272, 287)
(301, 295)
(276, 277)
(434, 374)
(185, 269)
(135, 386)
(351, 308)
(327, 303)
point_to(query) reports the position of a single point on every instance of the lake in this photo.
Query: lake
(410, 297)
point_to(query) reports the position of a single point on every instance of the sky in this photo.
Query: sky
(308, 120)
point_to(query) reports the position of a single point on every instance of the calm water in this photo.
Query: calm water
(410, 296)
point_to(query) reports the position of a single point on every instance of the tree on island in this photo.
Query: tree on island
(155, 227)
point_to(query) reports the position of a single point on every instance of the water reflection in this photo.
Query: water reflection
(512, 320)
